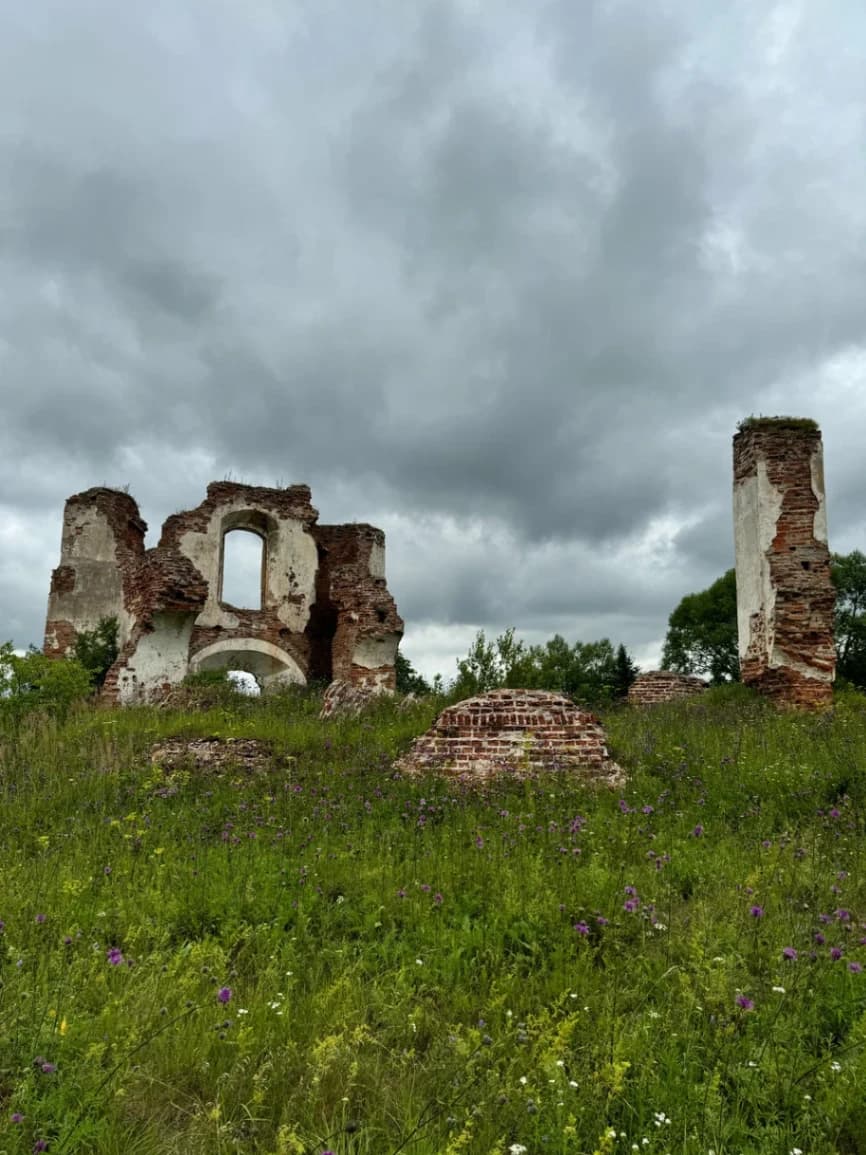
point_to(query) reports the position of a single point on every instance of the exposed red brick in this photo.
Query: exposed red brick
(788, 652)
(513, 732)
(656, 686)
(351, 622)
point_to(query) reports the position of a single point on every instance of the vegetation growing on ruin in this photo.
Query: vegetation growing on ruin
(795, 424)
(320, 956)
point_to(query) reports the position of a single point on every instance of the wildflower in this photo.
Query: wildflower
(224, 994)
(756, 911)
(438, 899)
(517, 1149)
(745, 1003)
(819, 938)
(779, 990)
(40, 918)
(698, 831)
(17, 1117)
(115, 956)
(601, 920)
(789, 953)
(631, 905)
(855, 968)
(48, 1068)
(835, 953)
(581, 928)
(40, 1145)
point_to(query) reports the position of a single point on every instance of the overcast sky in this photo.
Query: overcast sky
(499, 277)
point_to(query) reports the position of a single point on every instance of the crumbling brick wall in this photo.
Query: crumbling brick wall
(657, 686)
(513, 732)
(785, 596)
(326, 610)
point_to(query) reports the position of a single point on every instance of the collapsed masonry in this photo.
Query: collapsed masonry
(785, 596)
(657, 686)
(325, 609)
(513, 733)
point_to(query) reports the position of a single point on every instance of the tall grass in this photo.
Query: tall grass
(323, 956)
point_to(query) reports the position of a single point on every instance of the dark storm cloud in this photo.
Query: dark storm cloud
(510, 274)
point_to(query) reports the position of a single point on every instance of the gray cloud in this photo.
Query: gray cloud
(510, 275)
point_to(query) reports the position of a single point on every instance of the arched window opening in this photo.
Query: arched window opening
(242, 578)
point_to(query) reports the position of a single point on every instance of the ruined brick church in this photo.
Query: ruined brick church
(325, 611)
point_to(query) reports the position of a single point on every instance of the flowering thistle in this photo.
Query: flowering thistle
(224, 994)
(855, 968)
(114, 956)
(698, 831)
(788, 952)
(756, 911)
(835, 953)
(581, 928)
(745, 1003)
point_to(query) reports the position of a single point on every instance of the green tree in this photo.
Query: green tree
(32, 681)
(625, 672)
(409, 681)
(96, 649)
(587, 671)
(702, 633)
(849, 577)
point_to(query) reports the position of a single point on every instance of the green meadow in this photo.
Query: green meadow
(321, 956)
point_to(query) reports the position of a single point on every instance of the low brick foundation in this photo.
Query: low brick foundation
(663, 686)
(513, 732)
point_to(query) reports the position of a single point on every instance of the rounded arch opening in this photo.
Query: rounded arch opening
(266, 663)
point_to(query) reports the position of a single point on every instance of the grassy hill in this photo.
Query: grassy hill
(318, 956)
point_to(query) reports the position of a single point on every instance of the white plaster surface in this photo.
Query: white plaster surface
(159, 657)
(290, 567)
(88, 546)
(817, 469)
(371, 653)
(377, 560)
(757, 506)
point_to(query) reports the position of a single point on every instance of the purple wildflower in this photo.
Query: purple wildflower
(581, 928)
(48, 1068)
(855, 968)
(601, 920)
(745, 1003)
(631, 905)
(114, 956)
(40, 1145)
(438, 899)
(698, 831)
(17, 1117)
(819, 938)
(835, 953)
(224, 994)
(40, 918)
(843, 915)
(789, 953)
(756, 911)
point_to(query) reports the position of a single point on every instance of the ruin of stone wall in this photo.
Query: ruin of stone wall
(657, 686)
(513, 732)
(326, 610)
(785, 596)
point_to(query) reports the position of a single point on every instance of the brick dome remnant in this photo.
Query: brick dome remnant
(323, 612)
(663, 686)
(513, 732)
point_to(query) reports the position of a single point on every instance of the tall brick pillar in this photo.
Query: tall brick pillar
(785, 598)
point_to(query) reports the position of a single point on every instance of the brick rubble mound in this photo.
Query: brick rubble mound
(214, 755)
(663, 686)
(515, 733)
